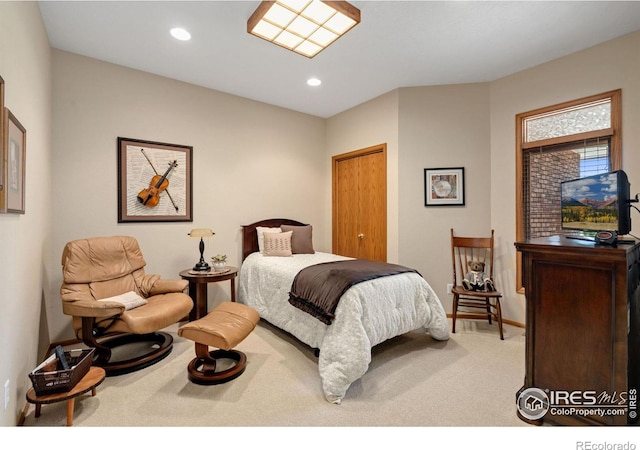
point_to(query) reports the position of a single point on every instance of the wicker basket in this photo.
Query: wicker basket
(62, 380)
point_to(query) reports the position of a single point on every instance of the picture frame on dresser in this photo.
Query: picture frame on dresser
(14, 149)
(154, 181)
(444, 186)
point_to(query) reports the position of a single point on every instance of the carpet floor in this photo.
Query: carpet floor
(413, 380)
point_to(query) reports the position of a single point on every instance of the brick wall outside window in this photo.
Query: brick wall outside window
(546, 171)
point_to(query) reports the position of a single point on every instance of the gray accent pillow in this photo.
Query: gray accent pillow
(301, 239)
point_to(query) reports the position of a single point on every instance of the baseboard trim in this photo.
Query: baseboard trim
(23, 414)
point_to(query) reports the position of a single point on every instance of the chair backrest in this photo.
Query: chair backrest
(467, 249)
(101, 267)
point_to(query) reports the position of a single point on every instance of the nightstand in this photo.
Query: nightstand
(198, 282)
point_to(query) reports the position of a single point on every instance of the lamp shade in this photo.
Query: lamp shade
(201, 232)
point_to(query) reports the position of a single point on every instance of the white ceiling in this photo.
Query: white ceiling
(397, 44)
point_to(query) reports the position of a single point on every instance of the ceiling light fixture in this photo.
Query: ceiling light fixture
(180, 33)
(304, 26)
(314, 82)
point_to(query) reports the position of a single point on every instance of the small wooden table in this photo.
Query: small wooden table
(198, 287)
(89, 382)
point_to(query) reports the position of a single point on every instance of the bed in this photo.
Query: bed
(367, 314)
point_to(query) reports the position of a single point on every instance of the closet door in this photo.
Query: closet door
(360, 203)
(346, 206)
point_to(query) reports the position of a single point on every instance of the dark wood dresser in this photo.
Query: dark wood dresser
(582, 330)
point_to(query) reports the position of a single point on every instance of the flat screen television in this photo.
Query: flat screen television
(597, 203)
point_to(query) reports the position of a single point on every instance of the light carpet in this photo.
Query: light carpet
(413, 380)
(417, 390)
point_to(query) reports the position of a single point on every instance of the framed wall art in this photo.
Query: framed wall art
(444, 187)
(2, 145)
(154, 181)
(14, 151)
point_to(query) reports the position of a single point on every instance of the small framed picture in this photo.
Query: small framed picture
(14, 156)
(154, 181)
(444, 186)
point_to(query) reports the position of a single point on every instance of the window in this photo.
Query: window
(559, 143)
(544, 168)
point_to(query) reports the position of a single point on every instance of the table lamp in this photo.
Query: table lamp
(201, 233)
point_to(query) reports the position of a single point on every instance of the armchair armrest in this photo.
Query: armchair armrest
(167, 286)
(91, 308)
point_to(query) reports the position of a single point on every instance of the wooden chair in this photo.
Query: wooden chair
(474, 304)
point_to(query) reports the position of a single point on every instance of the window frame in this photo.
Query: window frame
(614, 134)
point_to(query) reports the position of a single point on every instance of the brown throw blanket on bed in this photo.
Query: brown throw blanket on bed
(317, 289)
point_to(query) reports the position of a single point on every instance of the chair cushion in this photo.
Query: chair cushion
(160, 312)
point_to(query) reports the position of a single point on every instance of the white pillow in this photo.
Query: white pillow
(261, 231)
(277, 244)
(130, 300)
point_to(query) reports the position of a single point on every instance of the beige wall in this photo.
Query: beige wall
(25, 239)
(612, 65)
(442, 126)
(250, 161)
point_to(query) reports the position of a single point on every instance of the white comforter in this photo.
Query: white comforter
(368, 313)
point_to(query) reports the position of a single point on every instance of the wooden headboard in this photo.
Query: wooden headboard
(250, 236)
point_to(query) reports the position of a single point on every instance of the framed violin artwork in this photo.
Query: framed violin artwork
(154, 181)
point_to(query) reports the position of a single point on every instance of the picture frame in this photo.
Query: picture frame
(444, 186)
(154, 181)
(14, 152)
(1, 144)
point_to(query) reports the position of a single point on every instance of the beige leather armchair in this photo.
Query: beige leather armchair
(102, 278)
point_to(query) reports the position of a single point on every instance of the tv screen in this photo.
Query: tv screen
(597, 203)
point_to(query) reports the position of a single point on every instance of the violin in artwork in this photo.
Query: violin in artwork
(151, 196)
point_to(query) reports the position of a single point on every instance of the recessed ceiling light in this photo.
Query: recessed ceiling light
(314, 82)
(181, 34)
